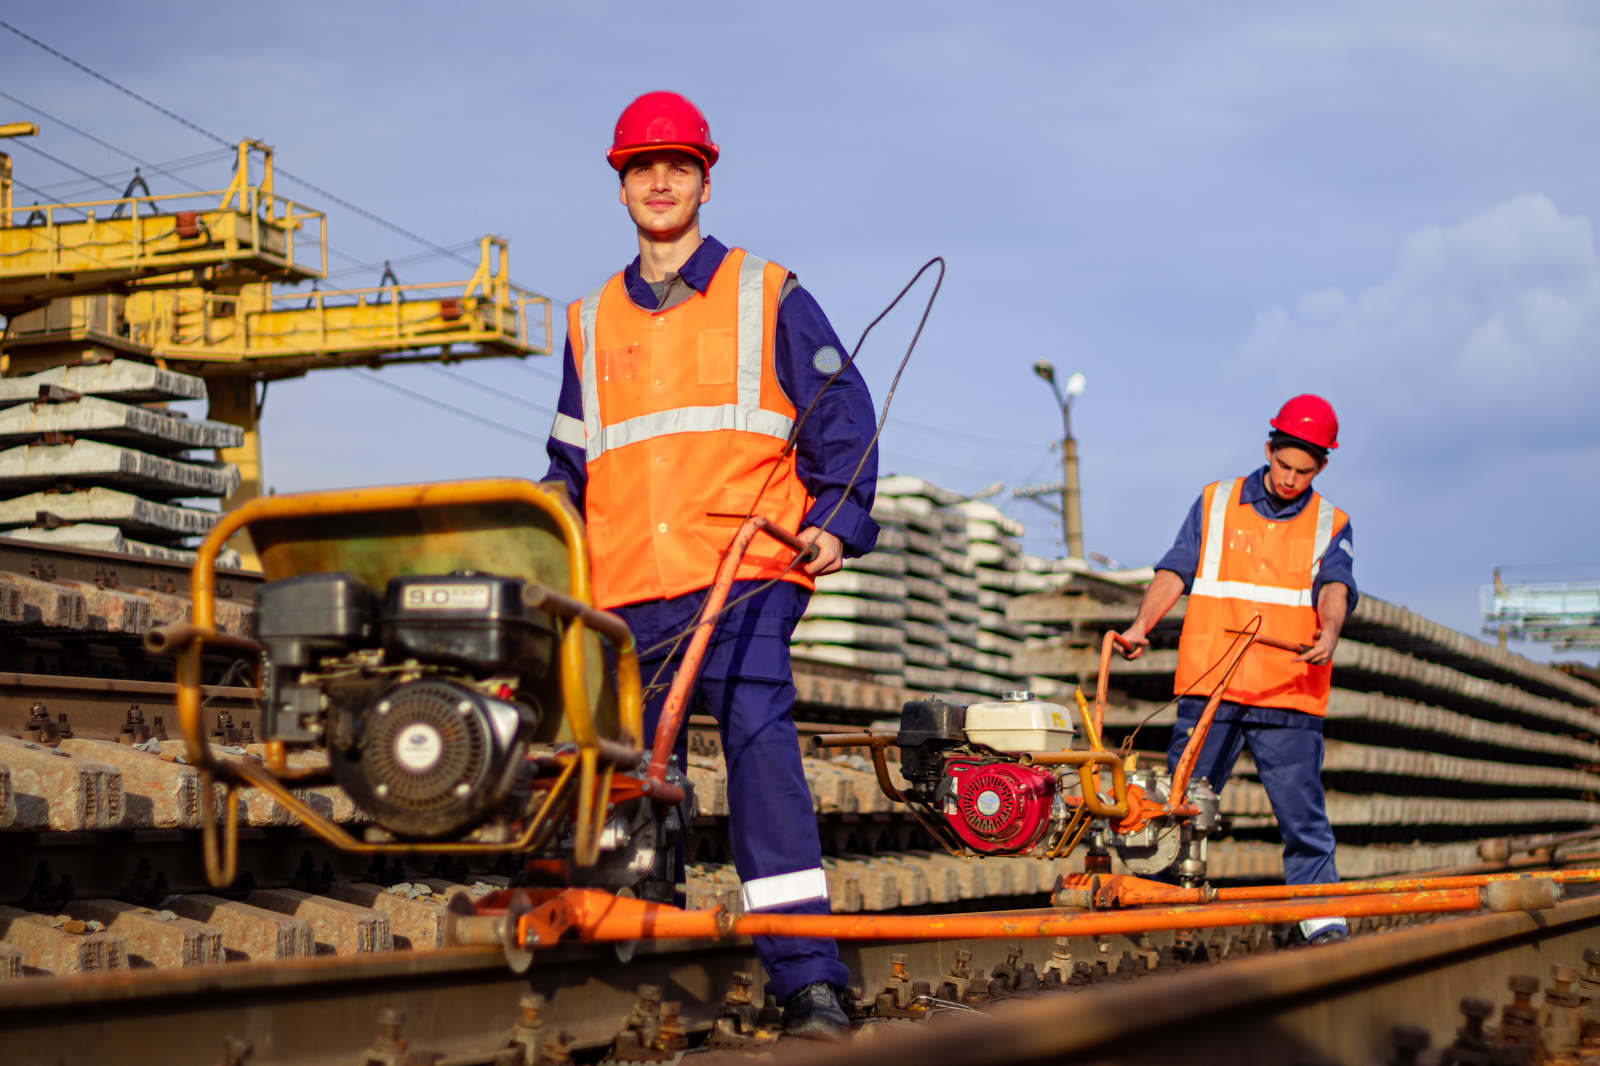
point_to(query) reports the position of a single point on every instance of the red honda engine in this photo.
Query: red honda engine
(997, 807)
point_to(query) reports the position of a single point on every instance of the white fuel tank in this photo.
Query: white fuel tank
(1018, 722)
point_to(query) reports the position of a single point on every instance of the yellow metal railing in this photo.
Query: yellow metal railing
(98, 241)
(295, 331)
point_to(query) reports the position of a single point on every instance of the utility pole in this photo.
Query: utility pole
(1071, 504)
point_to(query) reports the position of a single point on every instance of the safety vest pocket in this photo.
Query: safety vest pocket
(718, 357)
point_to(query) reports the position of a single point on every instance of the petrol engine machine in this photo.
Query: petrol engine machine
(1004, 778)
(432, 651)
(1001, 778)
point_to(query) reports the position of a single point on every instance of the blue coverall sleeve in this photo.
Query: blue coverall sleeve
(1183, 558)
(839, 429)
(1338, 564)
(568, 463)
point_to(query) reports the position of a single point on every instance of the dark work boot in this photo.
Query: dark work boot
(813, 1013)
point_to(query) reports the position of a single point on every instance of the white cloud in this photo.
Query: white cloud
(1484, 330)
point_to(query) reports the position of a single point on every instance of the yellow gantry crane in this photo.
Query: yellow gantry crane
(242, 233)
(187, 282)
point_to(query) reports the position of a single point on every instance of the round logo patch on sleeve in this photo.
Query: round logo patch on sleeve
(827, 360)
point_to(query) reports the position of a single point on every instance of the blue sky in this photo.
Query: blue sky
(1204, 208)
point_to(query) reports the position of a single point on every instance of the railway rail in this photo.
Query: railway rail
(1207, 996)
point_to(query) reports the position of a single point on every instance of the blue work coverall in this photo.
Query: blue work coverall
(746, 682)
(1286, 745)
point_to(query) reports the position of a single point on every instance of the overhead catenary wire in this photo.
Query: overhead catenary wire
(288, 175)
(539, 371)
(957, 434)
(492, 391)
(159, 168)
(69, 187)
(475, 417)
(69, 166)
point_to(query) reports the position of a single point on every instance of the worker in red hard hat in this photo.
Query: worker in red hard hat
(683, 382)
(1264, 544)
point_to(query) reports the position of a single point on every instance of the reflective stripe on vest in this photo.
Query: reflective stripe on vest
(1207, 581)
(745, 414)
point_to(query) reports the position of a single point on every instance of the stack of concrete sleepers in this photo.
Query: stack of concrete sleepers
(995, 551)
(917, 612)
(90, 455)
(1434, 738)
(857, 616)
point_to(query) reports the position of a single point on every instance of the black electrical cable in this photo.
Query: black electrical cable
(675, 642)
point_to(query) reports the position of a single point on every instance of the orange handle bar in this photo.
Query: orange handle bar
(675, 709)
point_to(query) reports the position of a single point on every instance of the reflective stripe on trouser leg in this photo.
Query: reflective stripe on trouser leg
(1310, 927)
(772, 823)
(780, 890)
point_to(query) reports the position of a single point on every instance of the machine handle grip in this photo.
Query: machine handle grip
(784, 537)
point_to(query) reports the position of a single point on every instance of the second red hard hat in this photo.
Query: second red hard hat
(661, 120)
(1310, 418)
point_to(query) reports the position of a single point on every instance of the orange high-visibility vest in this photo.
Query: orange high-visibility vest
(1252, 565)
(683, 423)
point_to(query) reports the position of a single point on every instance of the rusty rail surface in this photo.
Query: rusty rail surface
(1336, 1004)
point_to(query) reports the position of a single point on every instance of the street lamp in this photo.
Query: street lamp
(1071, 509)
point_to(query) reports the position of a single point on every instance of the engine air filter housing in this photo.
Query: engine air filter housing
(433, 757)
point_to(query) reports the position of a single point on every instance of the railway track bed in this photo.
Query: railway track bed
(1208, 996)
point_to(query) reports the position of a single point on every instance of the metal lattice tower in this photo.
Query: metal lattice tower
(1563, 613)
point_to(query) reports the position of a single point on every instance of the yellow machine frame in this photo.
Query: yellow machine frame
(587, 771)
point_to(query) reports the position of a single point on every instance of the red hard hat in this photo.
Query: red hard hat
(661, 120)
(1310, 418)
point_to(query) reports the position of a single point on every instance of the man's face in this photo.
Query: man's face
(663, 192)
(1290, 470)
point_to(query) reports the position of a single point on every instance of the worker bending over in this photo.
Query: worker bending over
(1264, 544)
(684, 376)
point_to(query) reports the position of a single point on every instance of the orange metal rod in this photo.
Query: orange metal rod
(1112, 639)
(673, 711)
(597, 916)
(1402, 884)
(1197, 739)
(1127, 891)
